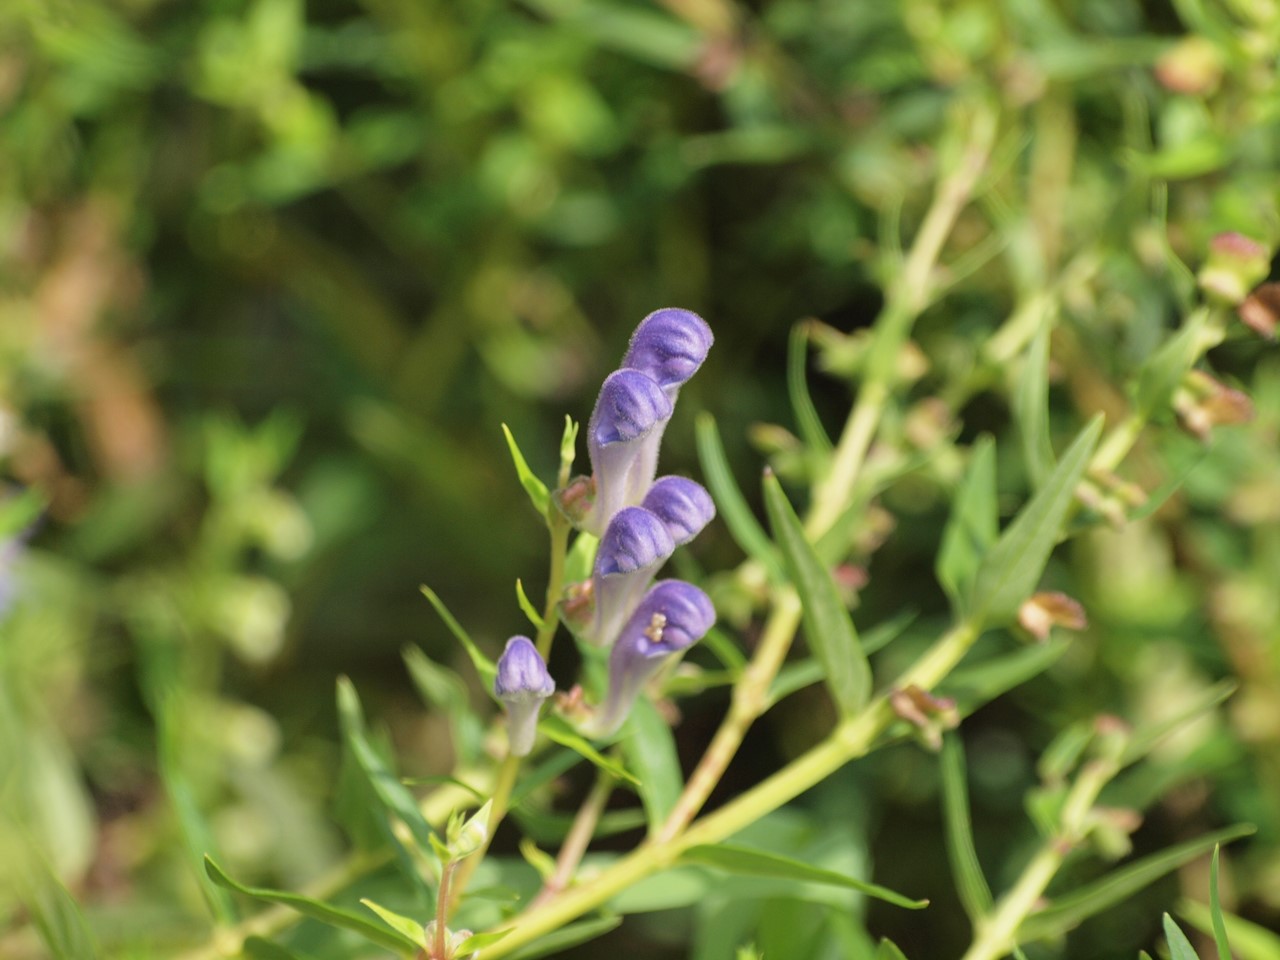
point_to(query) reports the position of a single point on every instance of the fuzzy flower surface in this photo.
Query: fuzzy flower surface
(522, 683)
(669, 345)
(683, 506)
(673, 616)
(623, 437)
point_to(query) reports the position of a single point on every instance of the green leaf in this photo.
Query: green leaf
(758, 863)
(478, 941)
(317, 910)
(1067, 912)
(887, 631)
(1215, 910)
(650, 750)
(1146, 737)
(972, 886)
(259, 948)
(568, 443)
(973, 526)
(980, 683)
(1179, 946)
(556, 729)
(567, 937)
(730, 503)
(794, 676)
(1031, 407)
(53, 910)
(1012, 567)
(580, 558)
(388, 789)
(442, 689)
(889, 951)
(827, 623)
(1161, 375)
(807, 420)
(484, 666)
(19, 511)
(406, 927)
(1249, 941)
(527, 607)
(535, 488)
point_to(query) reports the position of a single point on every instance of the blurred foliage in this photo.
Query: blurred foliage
(273, 272)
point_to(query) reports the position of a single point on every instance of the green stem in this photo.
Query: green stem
(577, 840)
(501, 799)
(996, 935)
(852, 739)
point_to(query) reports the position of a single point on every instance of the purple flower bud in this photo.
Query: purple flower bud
(673, 616)
(622, 440)
(522, 683)
(635, 544)
(683, 506)
(669, 345)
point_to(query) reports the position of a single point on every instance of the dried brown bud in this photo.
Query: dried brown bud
(1043, 611)
(1260, 311)
(1203, 403)
(930, 715)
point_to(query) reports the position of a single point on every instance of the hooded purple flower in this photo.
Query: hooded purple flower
(635, 544)
(522, 683)
(622, 441)
(673, 616)
(683, 506)
(669, 345)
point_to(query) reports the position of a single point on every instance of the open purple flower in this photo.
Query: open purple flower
(635, 544)
(522, 683)
(669, 345)
(673, 616)
(683, 506)
(622, 441)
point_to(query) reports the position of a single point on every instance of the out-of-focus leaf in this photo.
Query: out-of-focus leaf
(484, 666)
(1031, 407)
(1066, 912)
(973, 526)
(443, 689)
(795, 676)
(386, 787)
(478, 941)
(535, 488)
(646, 35)
(1160, 375)
(317, 910)
(828, 626)
(54, 911)
(259, 948)
(807, 420)
(567, 937)
(758, 863)
(731, 504)
(972, 886)
(559, 731)
(1215, 910)
(1012, 567)
(889, 951)
(1249, 941)
(406, 927)
(580, 558)
(1146, 737)
(973, 686)
(650, 749)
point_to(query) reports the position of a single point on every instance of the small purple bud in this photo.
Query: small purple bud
(673, 616)
(635, 544)
(622, 441)
(683, 506)
(669, 345)
(522, 683)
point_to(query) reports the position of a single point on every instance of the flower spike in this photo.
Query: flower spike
(635, 544)
(673, 616)
(622, 440)
(669, 345)
(683, 506)
(522, 683)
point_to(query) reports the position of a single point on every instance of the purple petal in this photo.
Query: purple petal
(669, 345)
(683, 506)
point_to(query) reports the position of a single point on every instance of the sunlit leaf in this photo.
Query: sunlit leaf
(972, 886)
(650, 749)
(484, 666)
(973, 526)
(535, 488)
(730, 503)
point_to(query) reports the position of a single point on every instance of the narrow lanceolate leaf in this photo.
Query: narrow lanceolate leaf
(484, 666)
(527, 607)
(401, 924)
(318, 910)
(975, 895)
(1162, 373)
(650, 749)
(1031, 407)
(1012, 567)
(731, 504)
(1179, 946)
(386, 786)
(1215, 910)
(535, 488)
(889, 951)
(1146, 737)
(54, 911)
(973, 686)
(758, 863)
(557, 730)
(827, 623)
(1249, 941)
(1068, 911)
(806, 414)
(973, 526)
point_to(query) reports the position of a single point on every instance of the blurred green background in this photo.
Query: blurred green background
(272, 274)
